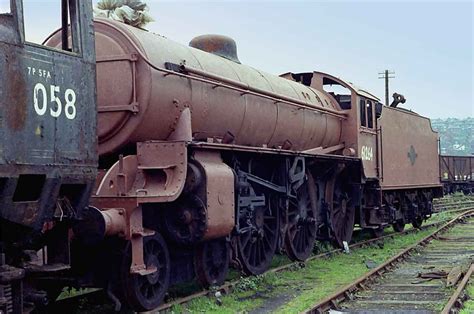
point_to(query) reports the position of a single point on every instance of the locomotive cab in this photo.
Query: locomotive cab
(48, 153)
(359, 133)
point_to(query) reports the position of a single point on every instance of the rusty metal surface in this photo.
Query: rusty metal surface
(362, 141)
(318, 84)
(222, 46)
(219, 191)
(216, 111)
(32, 140)
(319, 153)
(409, 150)
(456, 168)
(156, 174)
(115, 221)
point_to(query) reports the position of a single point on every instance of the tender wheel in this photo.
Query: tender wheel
(185, 220)
(342, 213)
(257, 239)
(417, 222)
(211, 262)
(399, 226)
(301, 232)
(144, 293)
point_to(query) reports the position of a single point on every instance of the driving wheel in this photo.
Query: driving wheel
(342, 213)
(301, 232)
(258, 234)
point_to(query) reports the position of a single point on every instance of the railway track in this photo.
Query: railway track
(415, 280)
(62, 304)
(448, 203)
(226, 288)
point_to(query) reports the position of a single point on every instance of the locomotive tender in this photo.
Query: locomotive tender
(201, 162)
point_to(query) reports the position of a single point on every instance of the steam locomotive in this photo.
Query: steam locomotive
(196, 162)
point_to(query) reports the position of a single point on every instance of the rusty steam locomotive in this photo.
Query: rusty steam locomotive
(202, 162)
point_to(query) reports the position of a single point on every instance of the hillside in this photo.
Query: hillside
(456, 135)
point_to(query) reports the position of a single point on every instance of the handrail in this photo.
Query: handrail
(254, 90)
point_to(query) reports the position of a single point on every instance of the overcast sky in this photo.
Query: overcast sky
(429, 44)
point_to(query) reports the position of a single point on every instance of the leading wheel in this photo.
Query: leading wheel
(342, 213)
(145, 293)
(211, 262)
(258, 234)
(301, 232)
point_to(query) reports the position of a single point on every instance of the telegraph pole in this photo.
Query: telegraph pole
(386, 75)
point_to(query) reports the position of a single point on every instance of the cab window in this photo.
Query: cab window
(5, 6)
(363, 119)
(62, 15)
(370, 116)
(366, 113)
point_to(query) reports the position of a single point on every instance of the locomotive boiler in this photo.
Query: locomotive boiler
(145, 81)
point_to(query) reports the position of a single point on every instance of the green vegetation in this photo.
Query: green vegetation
(469, 305)
(73, 292)
(296, 289)
(455, 197)
(131, 12)
(443, 216)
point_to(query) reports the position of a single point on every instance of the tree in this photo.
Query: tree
(131, 12)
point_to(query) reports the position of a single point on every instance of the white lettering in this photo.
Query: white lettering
(56, 108)
(40, 110)
(45, 74)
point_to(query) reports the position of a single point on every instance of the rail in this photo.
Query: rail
(346, 292)
(229, 286)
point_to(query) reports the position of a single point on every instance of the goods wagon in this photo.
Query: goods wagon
(456, 173)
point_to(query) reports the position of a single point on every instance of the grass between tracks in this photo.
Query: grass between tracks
(289, 291)
(458, 196)
(295, 290)
(468, 307)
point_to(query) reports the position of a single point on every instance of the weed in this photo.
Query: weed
(248, 283)
(468, 307)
